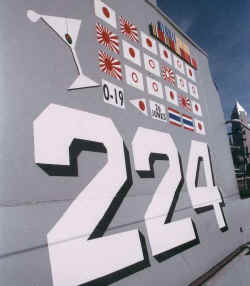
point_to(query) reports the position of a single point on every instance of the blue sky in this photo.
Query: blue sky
(222, 29)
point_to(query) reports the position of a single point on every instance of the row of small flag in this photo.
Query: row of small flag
(163, 34)
(111, 41)
(129, 30)
(111, 66)
(158, 112)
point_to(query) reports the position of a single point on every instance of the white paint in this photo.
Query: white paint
(141, 105)
(113, 94)
(196, 108)
(181, 83)
(193, 90)
(162, 236)
(165, 54)
(148, 43)
(109, 18)
(190, 73)
(158, 111)
(33, 16)
(203, 196)
(154, 87)
(178, 64)
(74, 258)
(62, 26)
(134, 78)
(152, 65)
(199, 127)
(171, 95)
(131, 53)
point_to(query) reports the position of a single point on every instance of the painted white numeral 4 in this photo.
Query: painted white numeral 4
(75, 259)
(162, 236)
(209, 195)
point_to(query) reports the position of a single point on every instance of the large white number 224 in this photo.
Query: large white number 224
(76, 258)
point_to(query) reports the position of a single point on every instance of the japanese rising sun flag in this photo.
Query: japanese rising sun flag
(110, 65)
(168, 74)
(105, 13)
(181, 83)
(152, 65)
(171, 95)
(178, 64)
(193, 90)
(165, 54)
(107, 38)
(199, 127)
(141, 105)
(148, 43)
(190, 72)
(196, 108)
(131, 53)
(134, 78)
(154, 87)
(185, 102)
(129, 30)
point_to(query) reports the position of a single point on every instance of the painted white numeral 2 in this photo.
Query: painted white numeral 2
(203, 196)
(74, 258)
(162, 236)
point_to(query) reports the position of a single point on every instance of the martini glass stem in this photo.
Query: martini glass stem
(77, 62)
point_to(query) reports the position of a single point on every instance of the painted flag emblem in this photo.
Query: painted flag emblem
(190, 73)
(185, 102)
(107, 38)
(141, 105)
(148, 43)
(131, 53)
(129, 30)
(168, 74)
(165, 54)
(196, 108)
(174, 117)
(152, 65)
(171, 95)
(179, 65)
(134, 78)
(154, 87)
(105, 13)
(188, 123)
(110, 65)
(199, 127)
(193, 90)
(181, 83)
(158, 111)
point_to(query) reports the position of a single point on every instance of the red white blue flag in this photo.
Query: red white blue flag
(188, 123)
(174, 117)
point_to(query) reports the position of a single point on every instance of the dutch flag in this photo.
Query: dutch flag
(188, 123)
(174, 117)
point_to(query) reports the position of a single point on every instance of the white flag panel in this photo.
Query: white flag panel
(105, 13)
(134, 78)
(154, 87)
(131, 53)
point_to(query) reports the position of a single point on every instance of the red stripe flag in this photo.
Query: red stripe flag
(110, 65)
(129, 30)
(185, 102)
(168, 74)
(107, 38)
